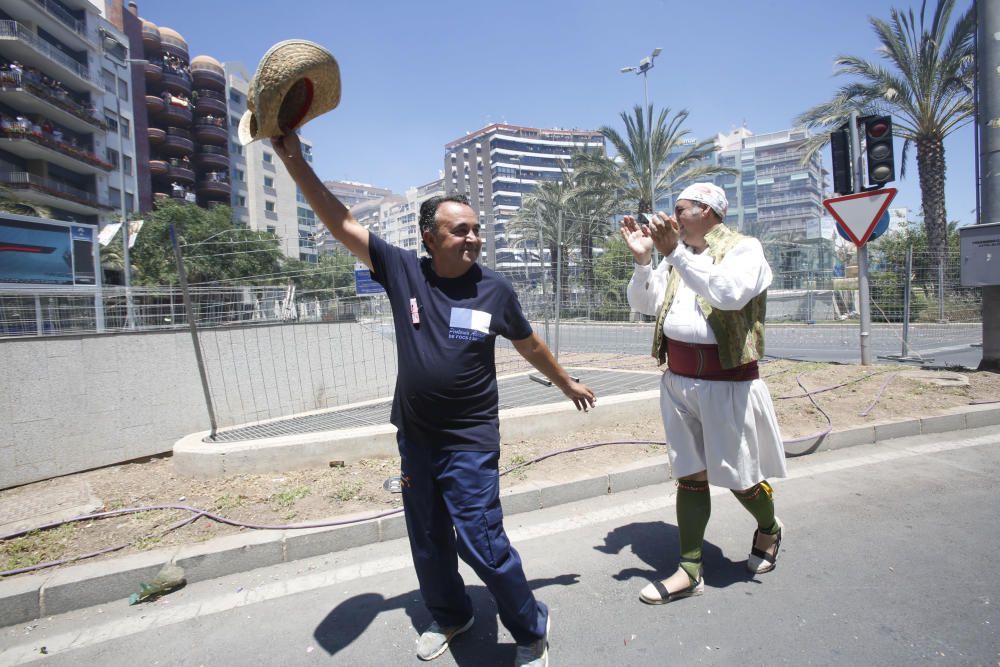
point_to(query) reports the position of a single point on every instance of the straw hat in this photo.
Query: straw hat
(296, 81)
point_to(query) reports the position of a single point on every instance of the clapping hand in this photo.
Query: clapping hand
(638, 240)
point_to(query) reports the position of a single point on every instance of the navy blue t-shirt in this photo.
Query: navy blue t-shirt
(446, 387)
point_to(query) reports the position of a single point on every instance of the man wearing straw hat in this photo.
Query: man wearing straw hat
(709, 295)
(447, 312)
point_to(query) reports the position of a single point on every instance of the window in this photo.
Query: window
(238, 175)
(268, 182)
(268, 158)
(111, 119)
(128, 164)
(123, 90)
(271, 229)
(126, 128)
(269, 206)
(112, 156)
(108, 78)
(241, 201)
(235, 97)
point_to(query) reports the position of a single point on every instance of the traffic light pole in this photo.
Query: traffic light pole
(864, 308)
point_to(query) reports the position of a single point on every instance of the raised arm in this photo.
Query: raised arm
(330, 210)
(537, 353)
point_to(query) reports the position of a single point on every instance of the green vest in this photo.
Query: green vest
(740, 333)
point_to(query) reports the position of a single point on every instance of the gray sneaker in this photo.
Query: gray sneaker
(535, 654)
(434, 641)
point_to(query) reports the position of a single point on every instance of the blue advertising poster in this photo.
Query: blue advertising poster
(363, 283)
(45, 253)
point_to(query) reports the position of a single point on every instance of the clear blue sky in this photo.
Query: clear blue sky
(417, 75)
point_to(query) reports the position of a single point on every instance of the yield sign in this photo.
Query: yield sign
(858, 214)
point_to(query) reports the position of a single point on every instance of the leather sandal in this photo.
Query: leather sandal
(761, 561)
(656, 592)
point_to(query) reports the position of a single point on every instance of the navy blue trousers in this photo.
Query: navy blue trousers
(452, 506)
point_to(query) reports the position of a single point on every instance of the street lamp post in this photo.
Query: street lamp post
(642, 68)
(111, 44)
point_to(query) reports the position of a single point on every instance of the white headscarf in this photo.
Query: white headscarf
(709, 194)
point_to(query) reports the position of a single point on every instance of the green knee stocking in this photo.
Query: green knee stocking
(694, 507)
(758, 501)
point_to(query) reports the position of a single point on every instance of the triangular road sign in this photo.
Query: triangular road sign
(858, 214)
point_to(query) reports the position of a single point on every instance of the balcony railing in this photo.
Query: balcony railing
(56, 97)
(62, 16)
(24, 180)
(214, 150)
(68, 149)
(14, 30)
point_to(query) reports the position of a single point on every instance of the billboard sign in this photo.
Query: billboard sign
(46, 252)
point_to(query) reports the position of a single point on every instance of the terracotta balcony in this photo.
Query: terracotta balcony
(155, 104)
(213, 190)
(212, 157)
(177, 142)
(175, 115)
(180, 173)
(207, 73)
(209, 101)
(158, 168)
(211, 133)
(176, 83)
(156, 135)
(153, 71)
(150, 37)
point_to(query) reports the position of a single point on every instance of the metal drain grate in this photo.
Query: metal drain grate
(515, 392)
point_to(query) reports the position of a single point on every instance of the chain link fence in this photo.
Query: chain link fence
(278, 349)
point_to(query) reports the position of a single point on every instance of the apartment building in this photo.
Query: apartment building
(400, 220)
(66, 137)
(500, 163)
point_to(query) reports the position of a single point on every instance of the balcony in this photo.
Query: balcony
(34, 146)
(53, 103)
(209, 102)
(208, 75)
(213, 189)
(155, 104)
(175, 115)
(150, 37)
(178, 142)
(176, 83)
(180, 172)
(159, 167)
(153, 72)
(26, 47)
(156, 135)
(213, 157)
(172, 43)
(57, 21)
(49, 192)
(212, 132)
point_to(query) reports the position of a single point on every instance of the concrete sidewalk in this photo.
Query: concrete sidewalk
(45, 594)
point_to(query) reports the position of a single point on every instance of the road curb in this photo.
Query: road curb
(26, 598)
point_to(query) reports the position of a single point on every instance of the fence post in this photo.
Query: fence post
(39, 320)
(559, 287)
(194, 329)
(906, 301)
(941, 290)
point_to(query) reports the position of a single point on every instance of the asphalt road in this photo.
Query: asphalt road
(889, 559)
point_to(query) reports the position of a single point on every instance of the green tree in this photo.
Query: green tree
(612, 271)
(213, 249)
(925, 83)
(625, 178)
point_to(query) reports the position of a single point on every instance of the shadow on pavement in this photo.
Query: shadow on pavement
(656, 544)
(349, 619)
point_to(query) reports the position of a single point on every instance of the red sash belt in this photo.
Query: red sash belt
(694, 360)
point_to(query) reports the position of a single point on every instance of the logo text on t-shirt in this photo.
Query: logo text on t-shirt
(468, 324)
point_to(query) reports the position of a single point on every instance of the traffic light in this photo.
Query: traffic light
(840, 152)
(878, 149)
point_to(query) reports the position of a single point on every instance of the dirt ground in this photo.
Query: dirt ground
(851, 395)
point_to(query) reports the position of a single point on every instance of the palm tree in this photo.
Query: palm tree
(927, 88)
(12, 202)
(625, 177)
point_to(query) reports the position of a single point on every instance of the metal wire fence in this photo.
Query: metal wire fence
(293, 345)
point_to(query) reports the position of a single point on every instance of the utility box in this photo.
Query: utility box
(980, 245)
